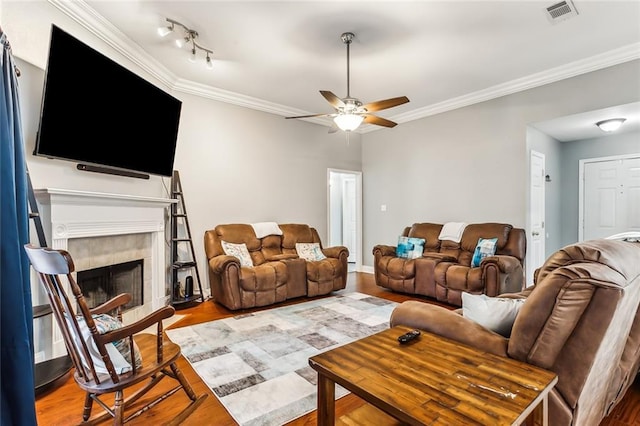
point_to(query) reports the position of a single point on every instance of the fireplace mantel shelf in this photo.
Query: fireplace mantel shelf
(72, 196)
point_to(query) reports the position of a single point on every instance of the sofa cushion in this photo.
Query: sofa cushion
(486, 247)
(410, 248)
(495, 313)
(310, 251)
(240, 251)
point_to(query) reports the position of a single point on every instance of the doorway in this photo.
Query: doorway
(344, 192)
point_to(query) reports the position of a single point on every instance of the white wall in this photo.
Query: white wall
(471, 164)
(236, 164)
(240, 165)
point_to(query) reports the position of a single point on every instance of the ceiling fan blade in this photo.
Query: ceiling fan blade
(333, 128)
(387, 103)
(373, 119)
(333, 99)
(311, 115)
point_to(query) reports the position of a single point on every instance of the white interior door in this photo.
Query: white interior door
(349, 216)
(536, 237)
(611, 201)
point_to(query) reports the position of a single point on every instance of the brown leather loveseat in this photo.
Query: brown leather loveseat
(278, 273)
(579, 320)
(444, 271)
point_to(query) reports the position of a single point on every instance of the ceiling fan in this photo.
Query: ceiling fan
(350, 112)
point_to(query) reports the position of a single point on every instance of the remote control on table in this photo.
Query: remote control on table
(407, 337)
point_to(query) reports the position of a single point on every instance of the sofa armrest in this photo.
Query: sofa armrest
(384, 250)
(502, 274)
(336, 252)
(450, 324)
(219, 263)
(505, 264)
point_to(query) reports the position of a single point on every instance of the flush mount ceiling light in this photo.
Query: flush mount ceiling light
(610, 125)
(186, 37)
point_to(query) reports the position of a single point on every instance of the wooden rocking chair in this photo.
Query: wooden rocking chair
(97, 371)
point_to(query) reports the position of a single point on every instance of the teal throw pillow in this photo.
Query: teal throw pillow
(410, 248)
(485, 247)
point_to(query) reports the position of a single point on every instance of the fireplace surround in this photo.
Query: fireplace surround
(101, 229)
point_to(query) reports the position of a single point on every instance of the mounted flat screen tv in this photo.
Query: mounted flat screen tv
(98, 113)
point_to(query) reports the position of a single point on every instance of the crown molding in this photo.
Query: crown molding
(572, 69)
(107, 32)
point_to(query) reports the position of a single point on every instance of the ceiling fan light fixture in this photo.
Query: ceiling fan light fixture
(348, 122)
(610, 125)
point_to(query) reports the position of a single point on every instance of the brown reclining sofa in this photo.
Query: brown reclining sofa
(444, 272)
(278, 273)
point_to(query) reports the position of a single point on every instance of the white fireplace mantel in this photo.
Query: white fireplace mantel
(68, 214)
(79, 214)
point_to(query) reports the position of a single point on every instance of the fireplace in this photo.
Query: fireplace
(103, 229)
(100, 285)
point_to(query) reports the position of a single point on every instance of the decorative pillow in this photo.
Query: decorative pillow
(310, 251)
(495, 313)
(118, 351)
(486, 247)
(410, 248)
(240, 251)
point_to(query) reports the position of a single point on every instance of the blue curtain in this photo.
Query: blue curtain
(17, 391)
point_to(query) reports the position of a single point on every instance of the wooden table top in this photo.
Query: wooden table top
(433, 380)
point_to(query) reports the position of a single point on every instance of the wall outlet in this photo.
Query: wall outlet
(383, 208)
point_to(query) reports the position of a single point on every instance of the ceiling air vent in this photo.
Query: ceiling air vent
(561, 11)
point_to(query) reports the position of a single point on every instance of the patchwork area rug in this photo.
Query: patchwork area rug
(258, 364)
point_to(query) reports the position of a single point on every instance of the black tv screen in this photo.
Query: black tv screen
(97, 112)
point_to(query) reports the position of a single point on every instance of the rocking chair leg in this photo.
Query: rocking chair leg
(88, 404)
(118, 409)
(184, 382)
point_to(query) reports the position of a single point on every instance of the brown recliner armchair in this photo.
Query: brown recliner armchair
(444, 271)
(579, 320)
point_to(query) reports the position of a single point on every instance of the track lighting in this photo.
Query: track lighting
(188, 38)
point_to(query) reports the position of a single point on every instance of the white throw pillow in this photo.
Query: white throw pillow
(495, 313)
(119, 351)
(310, 251)
(240, 251)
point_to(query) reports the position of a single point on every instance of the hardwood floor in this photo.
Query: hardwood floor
(63, 405)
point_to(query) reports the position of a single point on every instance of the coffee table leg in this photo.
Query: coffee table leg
(540, 415)
(326, 401)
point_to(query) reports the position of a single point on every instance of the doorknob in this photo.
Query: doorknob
(535, 233)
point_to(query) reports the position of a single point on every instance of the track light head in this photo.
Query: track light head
(165, 30)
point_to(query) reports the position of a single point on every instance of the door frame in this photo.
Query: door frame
(358, 178)
(581, 167)
(530, 267)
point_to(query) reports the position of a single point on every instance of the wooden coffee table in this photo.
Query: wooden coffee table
(432, 380)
